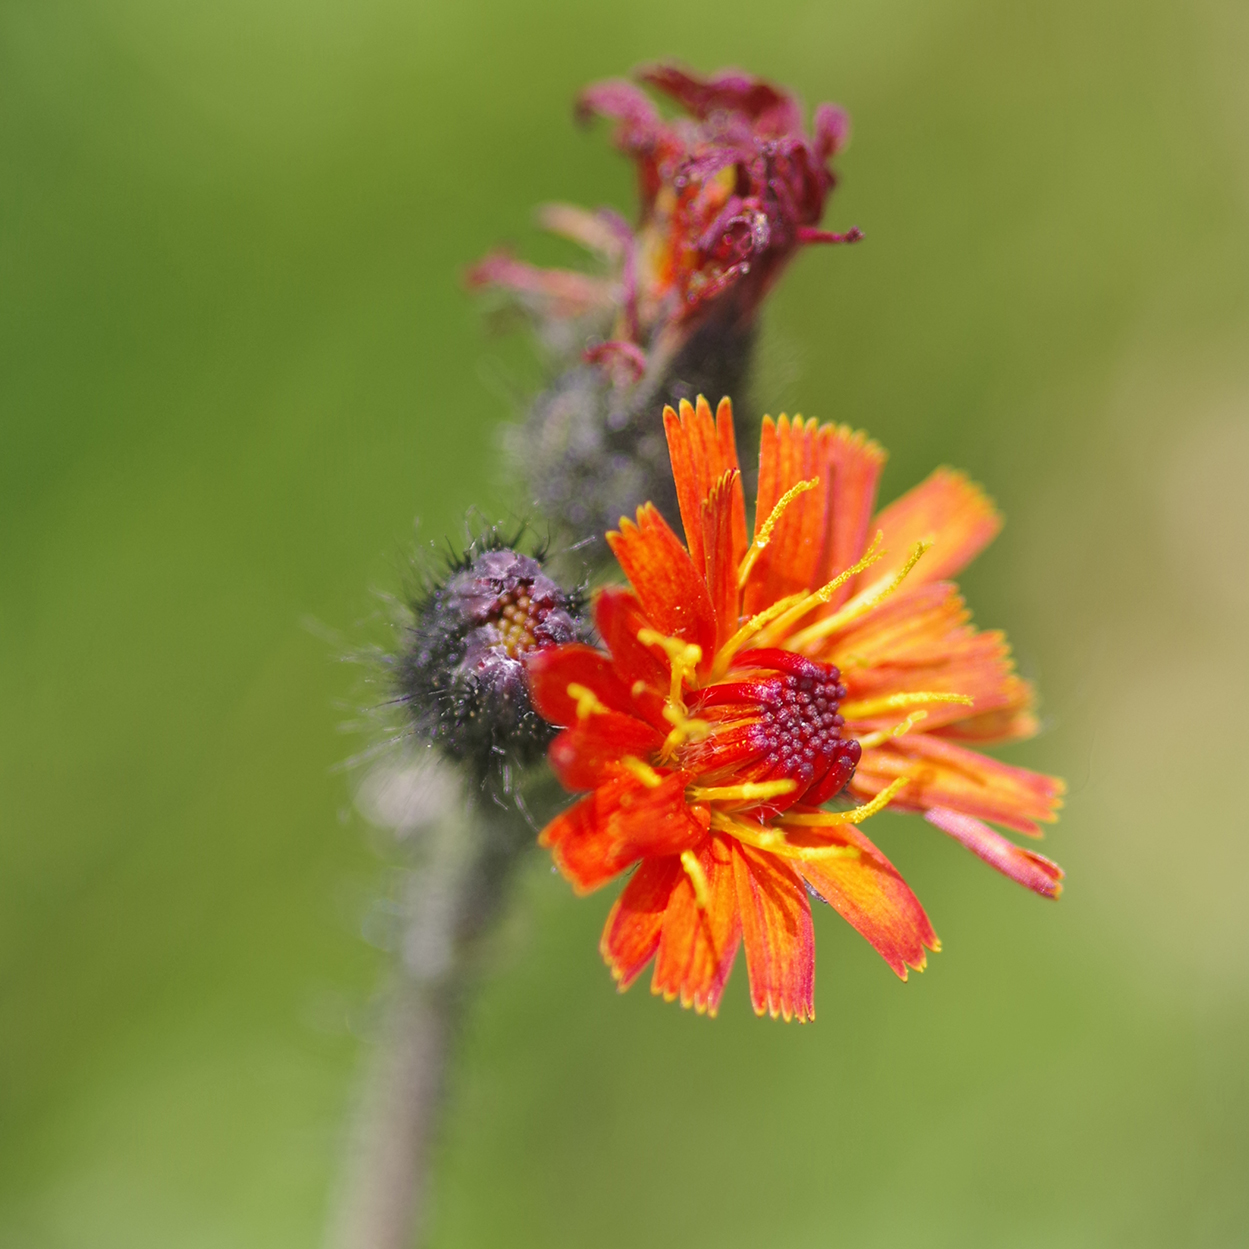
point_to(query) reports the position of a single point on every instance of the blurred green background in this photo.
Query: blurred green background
(236, 360)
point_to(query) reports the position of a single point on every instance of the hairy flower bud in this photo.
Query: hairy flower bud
(727, 195)
(462, 671)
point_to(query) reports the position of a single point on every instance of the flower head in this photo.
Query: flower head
(748, 681)
(728, 193)
(462, 673)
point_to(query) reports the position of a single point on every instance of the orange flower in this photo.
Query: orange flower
(747, 682)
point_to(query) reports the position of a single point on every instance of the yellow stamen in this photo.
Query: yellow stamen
(748, 792)
(774, 842)
(683, 656)
(676, 649)
(869, 740)
(748, 630)
(684, 729)
(698, 878)
(862, 603)
(894, 702)
(641, 771)
(856, 815)
(587, 701)
(764, 536)
(784, 623)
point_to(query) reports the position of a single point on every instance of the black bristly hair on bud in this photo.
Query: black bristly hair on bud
(461, 673)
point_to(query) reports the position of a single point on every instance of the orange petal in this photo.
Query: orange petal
(941, 774)
(1033, 871)
(777, 934)
(789, 453)
(631, 934)
(720, 553)
(947, 509)
(697, 947)
(672, 593)
(855, 463)
(619, 823)
(920, 640)
(870, 895)
(702, 450)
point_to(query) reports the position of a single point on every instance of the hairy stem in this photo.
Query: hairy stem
(453, 892)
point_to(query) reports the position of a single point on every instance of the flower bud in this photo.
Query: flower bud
(462, 671)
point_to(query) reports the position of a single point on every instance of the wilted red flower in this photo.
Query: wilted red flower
(727, 195)
(745, 683)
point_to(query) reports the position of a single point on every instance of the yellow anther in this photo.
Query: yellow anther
(683, 656)
(764, 536)
(751, 791)
(638, 688)
(684, 729)
(641, 771)
(754, 625)
(856, 815)
(777, 630)
(587, 701)
(862, 603)
(761, 837)
(869, 707)
(698, 878)
(677, 649)
(868, 740)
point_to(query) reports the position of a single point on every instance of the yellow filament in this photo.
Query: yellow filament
(641, 771)
(856, 815)
(748, 792)
(774, 842)
(782, 625)
(869, 740)
(587, 701)
(748, 630)
(872, 597)
(895, 702)
(698, 878)
(683, 656)
(684, 729)
(676, 649)
(764, 536)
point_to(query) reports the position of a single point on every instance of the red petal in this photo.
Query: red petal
(563, 293)
(870, 895)
(619, 823)
(948, 509)
(672, 594)
(697, 948)
(631, 934)
(777, 934)
(588, 754)
(618, 617)
(553, 670)
(1033, 871)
